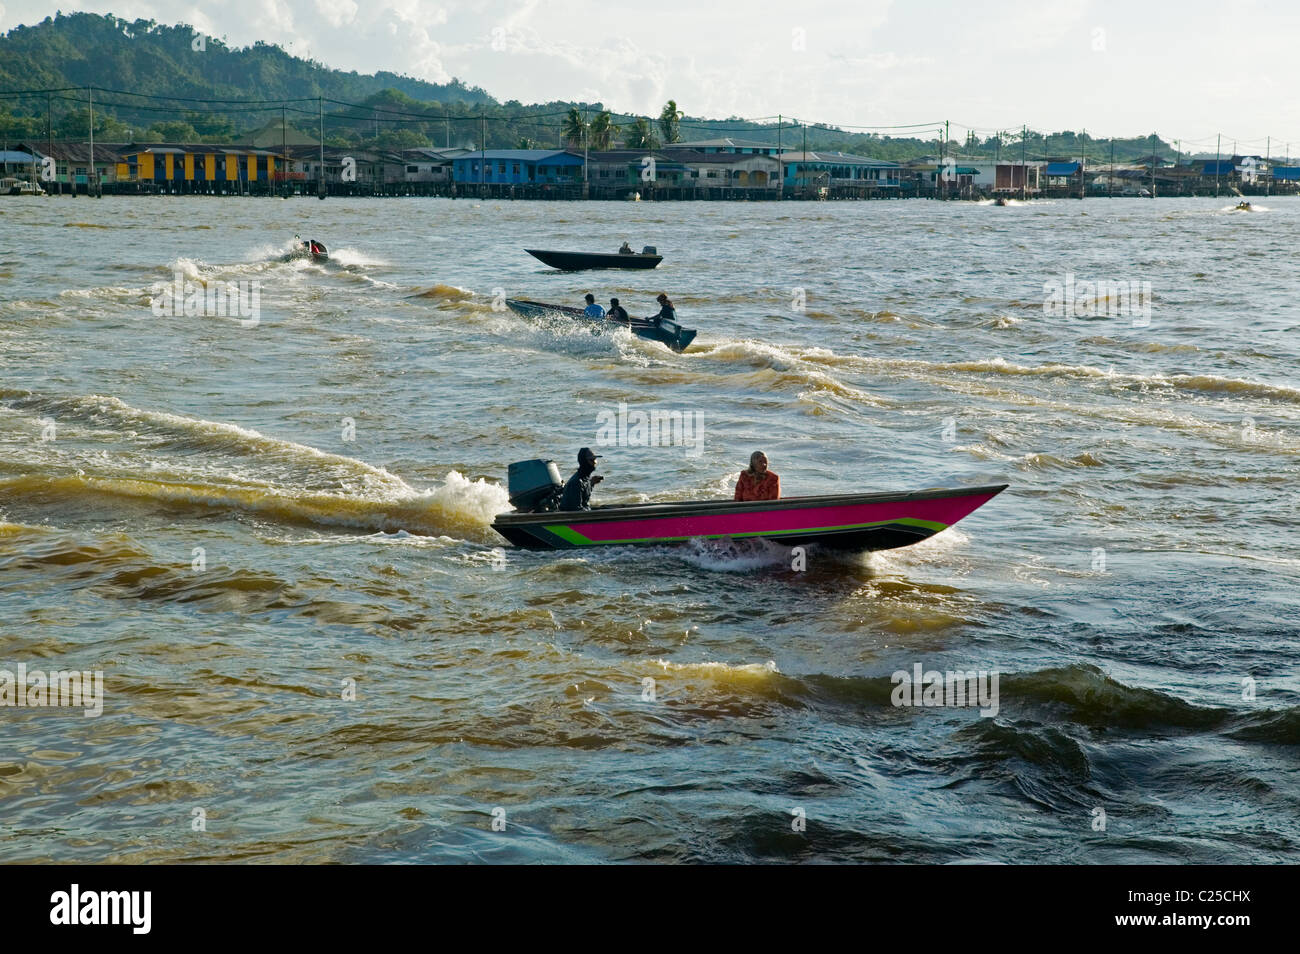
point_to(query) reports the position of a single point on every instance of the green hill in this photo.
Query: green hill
(129, 62)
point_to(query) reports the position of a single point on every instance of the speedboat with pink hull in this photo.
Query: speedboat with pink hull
(880, 521)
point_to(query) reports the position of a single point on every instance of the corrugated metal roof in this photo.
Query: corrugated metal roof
(520, 155)
(79, 151)
(838, 158)
(722, 144)
(715, 158)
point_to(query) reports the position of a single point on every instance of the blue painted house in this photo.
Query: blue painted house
(745, 147)
(840, 169)
(517, 167)
(1063, 170)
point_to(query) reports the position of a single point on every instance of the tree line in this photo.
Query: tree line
(385, 111)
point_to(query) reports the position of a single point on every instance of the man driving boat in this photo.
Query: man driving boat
(577, 492)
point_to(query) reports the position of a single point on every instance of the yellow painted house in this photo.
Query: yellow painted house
(204, 163)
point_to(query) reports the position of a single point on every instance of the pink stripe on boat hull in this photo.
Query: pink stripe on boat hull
(946, 510)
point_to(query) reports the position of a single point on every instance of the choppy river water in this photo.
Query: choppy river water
(272, 537)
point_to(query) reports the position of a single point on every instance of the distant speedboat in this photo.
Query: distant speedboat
(856, 522)
(579, 261)
(1000, 201)
(1244, 207)
(652, 329)
(316, 251)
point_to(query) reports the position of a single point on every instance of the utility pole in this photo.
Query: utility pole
(1110, 180)
(482, 153)
(780, 180)
(586, 141)
(320, 182)
(1153, 165)
(1218, 148)
(939, 176)
(1024, 170)
(1083, 161)
(1268, 152)
(49, 131)
(284, 151)
(90, 91)
(803, 166)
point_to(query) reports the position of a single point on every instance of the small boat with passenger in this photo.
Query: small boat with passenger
(648, 257)
(308, 248)
(653, 329)
(855, 521)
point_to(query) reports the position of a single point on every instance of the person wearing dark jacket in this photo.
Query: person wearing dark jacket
(577, 492)
(616, 311)
(666, 310)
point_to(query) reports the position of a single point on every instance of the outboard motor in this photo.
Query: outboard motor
(649, 250)
(534, 486)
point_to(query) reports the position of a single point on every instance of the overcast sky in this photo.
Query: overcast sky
(1187, 70)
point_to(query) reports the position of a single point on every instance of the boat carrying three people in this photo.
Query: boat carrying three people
(617, 312)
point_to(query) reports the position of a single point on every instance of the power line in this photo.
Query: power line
(480, 113)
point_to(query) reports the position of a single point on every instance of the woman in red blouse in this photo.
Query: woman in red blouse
(758, 483)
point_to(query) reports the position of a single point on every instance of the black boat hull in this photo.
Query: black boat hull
(581, 261)
(672, 335)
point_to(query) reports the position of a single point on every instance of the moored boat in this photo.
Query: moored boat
(579, 261)
(653, 329)
(860, 522)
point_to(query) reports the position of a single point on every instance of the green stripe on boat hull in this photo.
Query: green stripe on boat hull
(888, 535)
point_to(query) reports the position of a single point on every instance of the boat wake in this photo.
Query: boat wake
(458, 508)
(734, 556)
(444, 293)
(109, 453)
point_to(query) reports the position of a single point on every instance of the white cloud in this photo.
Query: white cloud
(989, 63)
(337, 12)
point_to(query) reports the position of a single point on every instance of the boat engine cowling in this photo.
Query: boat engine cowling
(534, 486)
(649, 250)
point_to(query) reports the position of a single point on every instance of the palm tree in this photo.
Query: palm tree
(575, 128)
(641, 135)
(601, 132)
(668, 120)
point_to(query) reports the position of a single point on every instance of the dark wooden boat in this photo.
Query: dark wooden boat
(653, 329)
(578, 261)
